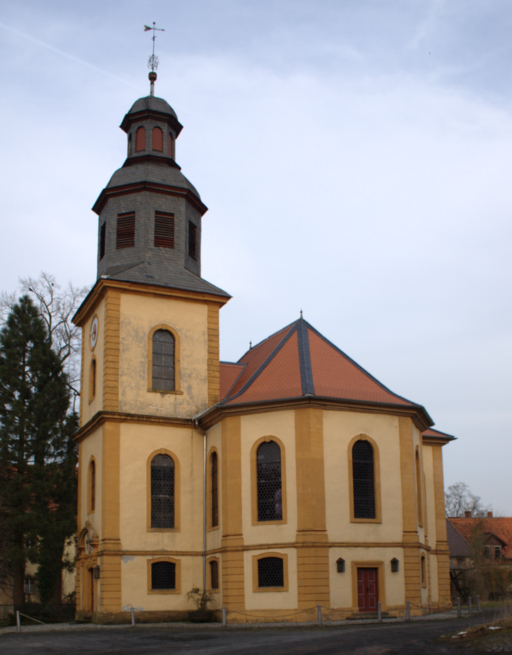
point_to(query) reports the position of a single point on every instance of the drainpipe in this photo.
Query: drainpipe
(198, 427)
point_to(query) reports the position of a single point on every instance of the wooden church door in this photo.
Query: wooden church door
(367, 589)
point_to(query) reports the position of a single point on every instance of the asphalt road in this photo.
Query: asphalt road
(415, 638)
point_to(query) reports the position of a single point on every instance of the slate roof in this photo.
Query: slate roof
(298, 361)
(162, 271)
(459, 547)
(151, 172)
(154, 103)
(500, 527)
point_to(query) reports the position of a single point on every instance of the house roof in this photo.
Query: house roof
(500, 527)
(298, 361)
(437, 434)
(459, 547)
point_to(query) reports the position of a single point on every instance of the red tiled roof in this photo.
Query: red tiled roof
(459, 547)
(229, 372)
(437, 434)
(501, 527)
(298, 361)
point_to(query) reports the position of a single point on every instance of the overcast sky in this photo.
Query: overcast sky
(356, 159)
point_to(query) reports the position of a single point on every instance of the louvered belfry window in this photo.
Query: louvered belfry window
(163, 361)
(164, 230)
(215, 490)
(270, 572)
(268, 467)
(125, 230)
(163, 575)
(158, 139)
(162, 491)
(364, 480)
(140, 139)
(103, 240)
(192, 240)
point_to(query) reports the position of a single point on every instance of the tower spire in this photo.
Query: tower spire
(153, 60)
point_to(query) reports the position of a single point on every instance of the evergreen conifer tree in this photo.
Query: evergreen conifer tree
(37, 455)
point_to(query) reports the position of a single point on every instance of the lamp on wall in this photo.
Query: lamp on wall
(394, 565)
(340, 565)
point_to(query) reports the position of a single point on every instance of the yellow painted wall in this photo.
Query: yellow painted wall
(138, 442)
(134, 585)
(271, 600)
(339, 429)
(341, 583)
(93, 445)
(139, 314)
(89, 409)
(428, 468)
(282, 426)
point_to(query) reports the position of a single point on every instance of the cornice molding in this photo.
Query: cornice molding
(99, 290)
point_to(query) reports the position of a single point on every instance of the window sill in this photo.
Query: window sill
(164, 591)
(213, 591)
(269, 589)
(352, 520)
(281, 522)
(166, 393)
(162, 529)
(217, 527)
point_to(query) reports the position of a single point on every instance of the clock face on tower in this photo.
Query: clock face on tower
(94, 332)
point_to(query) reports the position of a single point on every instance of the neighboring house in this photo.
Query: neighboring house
(317, 485)
(492, 535)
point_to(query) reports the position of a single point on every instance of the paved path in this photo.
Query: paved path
(414, 638)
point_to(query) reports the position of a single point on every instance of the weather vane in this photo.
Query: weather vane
(153, 60)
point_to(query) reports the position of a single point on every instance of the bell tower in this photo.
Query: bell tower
(150, 364)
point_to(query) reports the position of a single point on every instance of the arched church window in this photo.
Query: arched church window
(162, 491)
(163, 361)
(270, 572)
(92, 486)
(363, 476)
(268, 472)
(158, 139)
(215, 489)
(419, 500)
(140, 139)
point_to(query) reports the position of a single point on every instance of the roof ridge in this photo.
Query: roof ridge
(267, 361)
(358, 366)
(306, 372)
(267, 338)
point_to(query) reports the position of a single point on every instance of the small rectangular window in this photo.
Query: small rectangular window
(125, 230)
(163, 575)
(102, 240)
(487, 551)
(30, 586)
(214, 574)
(164, 230)
(192, 240)
(497, 551)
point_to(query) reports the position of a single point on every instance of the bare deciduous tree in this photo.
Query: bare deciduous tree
(56, 307)
(459, 500)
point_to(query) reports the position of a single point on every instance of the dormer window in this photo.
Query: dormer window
(140, 139)
(192, 240)
(158, 139)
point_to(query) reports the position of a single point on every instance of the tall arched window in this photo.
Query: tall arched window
(92, 391)
(163, 369)
(140, 139)
(158, 139)
(162, 491)
(92, 486)
(363, 476)
(419, 499)
(215, 489)
(268, 471)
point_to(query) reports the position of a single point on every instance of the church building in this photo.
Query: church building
(289, 479)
